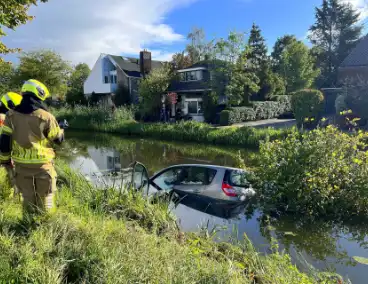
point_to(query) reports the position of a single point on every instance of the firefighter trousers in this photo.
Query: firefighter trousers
(37, 186)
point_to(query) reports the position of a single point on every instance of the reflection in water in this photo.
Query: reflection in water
(325, 244)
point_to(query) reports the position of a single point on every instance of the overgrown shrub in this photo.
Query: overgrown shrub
(319, 172)
(307, 104)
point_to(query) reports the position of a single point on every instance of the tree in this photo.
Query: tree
(198, 49)
(181, 60)
(242, 84)
(13, 13)
(281, 44)
(75, 94)
(335, 33)
(46, 66)
(122, 96)
(230, 75)
(258, 50)
(6, 78)
(152, 89)
(298, 67)
(259, 62)
(271, 84)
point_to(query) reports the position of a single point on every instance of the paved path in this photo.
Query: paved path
(276, 123)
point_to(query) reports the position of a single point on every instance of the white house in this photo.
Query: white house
(111, 72)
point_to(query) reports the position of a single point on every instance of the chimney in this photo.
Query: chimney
(145, 62)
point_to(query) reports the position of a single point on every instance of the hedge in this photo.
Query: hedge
(259, 111)
(307, 105)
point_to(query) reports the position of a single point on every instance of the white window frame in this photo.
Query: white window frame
(193, 100)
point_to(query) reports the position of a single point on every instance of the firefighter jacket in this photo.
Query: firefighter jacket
(27, 133)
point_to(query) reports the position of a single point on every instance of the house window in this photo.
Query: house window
(192, 107)
(106, 79)
(191, 76)
(115, 79)
(195, 107)
(199, 75)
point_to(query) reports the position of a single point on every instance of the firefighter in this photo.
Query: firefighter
(7, 102)
(26, 139)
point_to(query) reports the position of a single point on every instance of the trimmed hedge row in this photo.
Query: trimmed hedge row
(259, 111)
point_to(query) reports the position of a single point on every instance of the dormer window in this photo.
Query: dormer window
(187, 76)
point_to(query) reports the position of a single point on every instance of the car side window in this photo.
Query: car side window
(168, 179)
(196, 176)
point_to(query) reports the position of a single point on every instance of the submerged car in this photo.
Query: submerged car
(208, 181)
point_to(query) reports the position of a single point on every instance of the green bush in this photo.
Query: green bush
(285, 102)
(225, 117)
(307, 104)
(320, 172)
(259, 111)
(241, 114)
(271, 109)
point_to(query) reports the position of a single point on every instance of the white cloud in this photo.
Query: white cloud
(82, 29)
(360, 5)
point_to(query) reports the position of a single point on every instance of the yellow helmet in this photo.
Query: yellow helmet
(10, 99)
(37, 88)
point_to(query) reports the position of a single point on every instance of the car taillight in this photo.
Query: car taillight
(229, 190)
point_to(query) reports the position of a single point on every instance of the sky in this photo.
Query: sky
(80, 30)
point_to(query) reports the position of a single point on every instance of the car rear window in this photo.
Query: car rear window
(236, 178)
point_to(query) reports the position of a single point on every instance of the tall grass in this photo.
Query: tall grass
(102, 120)
(93, 237)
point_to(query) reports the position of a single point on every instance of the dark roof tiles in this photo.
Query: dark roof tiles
(359, 55)
(131, 65)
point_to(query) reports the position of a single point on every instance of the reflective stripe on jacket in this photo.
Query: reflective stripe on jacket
(31, 135)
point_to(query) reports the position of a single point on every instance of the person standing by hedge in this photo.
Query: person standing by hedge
(26, 137)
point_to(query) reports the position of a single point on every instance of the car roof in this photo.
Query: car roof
(205, 166)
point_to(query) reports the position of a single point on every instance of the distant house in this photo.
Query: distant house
(192, 83)
(355, 66)
(111, 71)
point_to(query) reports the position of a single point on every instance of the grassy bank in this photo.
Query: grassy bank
(121, 122)
(104, 236)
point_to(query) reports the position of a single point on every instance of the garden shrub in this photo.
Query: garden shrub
(320, 172)
(260, 110)
(307, 104)
(285, 103)
(241, 114)
(225, 117)
(268, 110)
